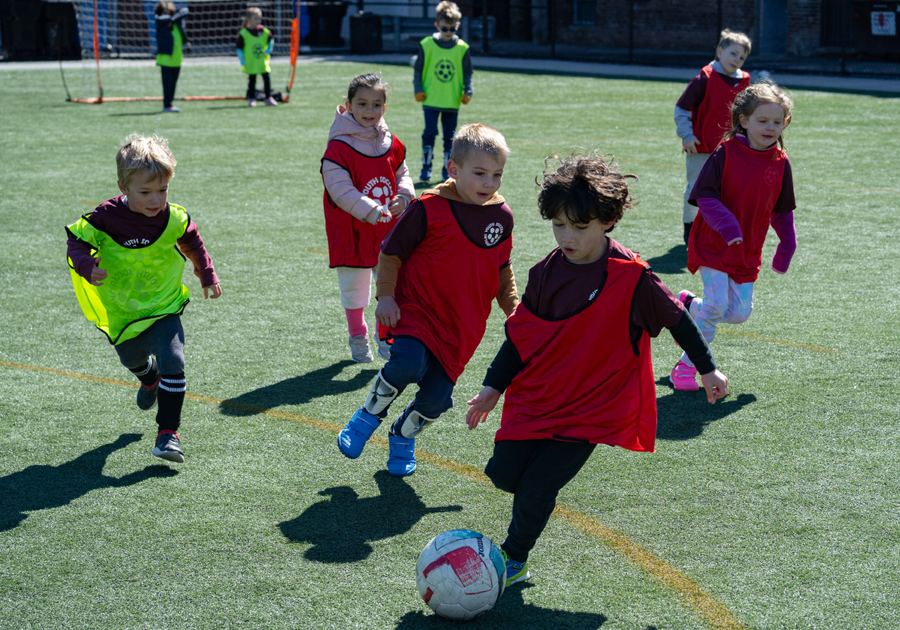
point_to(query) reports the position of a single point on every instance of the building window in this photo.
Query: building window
(585, 11)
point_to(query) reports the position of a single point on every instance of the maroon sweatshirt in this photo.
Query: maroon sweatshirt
(134, 230)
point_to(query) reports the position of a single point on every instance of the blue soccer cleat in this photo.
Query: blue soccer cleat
(353, 437)
(402, 458)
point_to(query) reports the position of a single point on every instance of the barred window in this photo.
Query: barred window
(585, 12)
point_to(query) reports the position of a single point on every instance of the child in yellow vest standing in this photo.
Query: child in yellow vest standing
(254, 49)
(442, 80)
(171, 40)
(127, 271)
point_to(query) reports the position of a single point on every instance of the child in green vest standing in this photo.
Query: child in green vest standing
(254, 48)
(442, 81)
(126, 270)
(170, 42)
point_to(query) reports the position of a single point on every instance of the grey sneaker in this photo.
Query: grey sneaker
(168, 446)
(384, 349)
(146, 396)
(359, 349)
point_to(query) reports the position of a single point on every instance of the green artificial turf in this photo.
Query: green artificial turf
(780, 503)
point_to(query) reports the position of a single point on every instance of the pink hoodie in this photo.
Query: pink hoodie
(368, 141)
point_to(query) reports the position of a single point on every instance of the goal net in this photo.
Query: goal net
(118, 49)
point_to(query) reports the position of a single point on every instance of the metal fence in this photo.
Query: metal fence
(849, 37)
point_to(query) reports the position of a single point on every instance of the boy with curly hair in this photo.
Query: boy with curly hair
(576, 363)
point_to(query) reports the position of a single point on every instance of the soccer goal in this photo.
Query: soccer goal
(118, 49)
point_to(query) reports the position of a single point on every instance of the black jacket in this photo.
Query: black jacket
(164, 40)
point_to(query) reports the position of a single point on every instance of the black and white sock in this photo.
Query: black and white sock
(149, 375)
(171, 398)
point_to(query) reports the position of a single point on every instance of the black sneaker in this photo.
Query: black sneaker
(168, 446)
(146, 397)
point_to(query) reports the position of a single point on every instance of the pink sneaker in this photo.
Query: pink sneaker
(252, 102)
(271, 102)
(686, 297)
(683, 378)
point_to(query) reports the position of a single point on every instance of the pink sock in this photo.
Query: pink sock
(356, 322)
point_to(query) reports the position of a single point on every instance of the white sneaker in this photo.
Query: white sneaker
(384, 349)
(359, 349)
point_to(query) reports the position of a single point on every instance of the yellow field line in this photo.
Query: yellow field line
(773, 340)
(716, 615)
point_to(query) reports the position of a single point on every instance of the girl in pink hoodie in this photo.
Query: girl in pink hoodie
(367, 186)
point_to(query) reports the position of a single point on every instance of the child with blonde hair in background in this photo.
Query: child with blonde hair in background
(442, 79)
(703, 113)
(745, 187)
(254, 49)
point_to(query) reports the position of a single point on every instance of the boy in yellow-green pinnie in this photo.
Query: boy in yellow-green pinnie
(442, 79)
(126, 270)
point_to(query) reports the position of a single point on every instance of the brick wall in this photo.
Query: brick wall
(682, 26)
(804, 26)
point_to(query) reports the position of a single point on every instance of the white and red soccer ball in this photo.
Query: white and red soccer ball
(460, 574)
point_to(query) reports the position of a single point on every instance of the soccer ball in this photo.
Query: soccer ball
(460, 574)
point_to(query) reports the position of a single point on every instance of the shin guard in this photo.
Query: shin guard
(410, 422)
(380, 396)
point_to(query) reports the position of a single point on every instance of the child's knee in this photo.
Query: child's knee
(171, 364)
(710, 311)
(498, 474)
(431, 406)
(740, 315)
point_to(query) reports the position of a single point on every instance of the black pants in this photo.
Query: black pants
(169, 79)
(534, 471)
(251, 85)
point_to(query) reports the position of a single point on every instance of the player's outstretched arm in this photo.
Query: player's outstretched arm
(716, 385)
(481, 406)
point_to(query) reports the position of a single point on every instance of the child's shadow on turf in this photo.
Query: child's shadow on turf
(672, 262)
(511, 612)
(41, 487)
(341, 527)
(297, 390)
(683, 415)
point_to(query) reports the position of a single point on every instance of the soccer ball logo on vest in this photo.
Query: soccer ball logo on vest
(445, 70)
(379, 189)
(492, 234)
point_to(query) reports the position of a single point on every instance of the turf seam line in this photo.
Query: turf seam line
(774, 340)
(710, 610)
